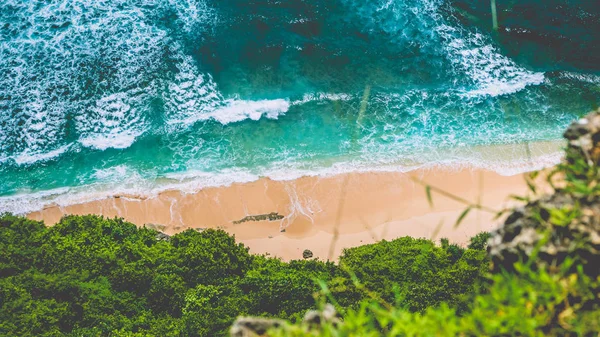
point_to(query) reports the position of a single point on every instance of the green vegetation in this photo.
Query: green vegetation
(91, 276)
(545, 259)
(526, 303)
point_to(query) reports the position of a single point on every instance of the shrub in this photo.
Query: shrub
(91, 276)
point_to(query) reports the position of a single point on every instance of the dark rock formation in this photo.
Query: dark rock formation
(584, 139)
(530, 230)
(163, 236)
(307, 254)
(156, 227)
(565, 224)
(260, 217)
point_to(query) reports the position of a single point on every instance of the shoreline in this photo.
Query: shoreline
(283, 217)
(505, 159)
(342, 211)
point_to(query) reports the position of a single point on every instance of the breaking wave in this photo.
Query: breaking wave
(94, 90)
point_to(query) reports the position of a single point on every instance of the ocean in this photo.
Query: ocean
(105, 97)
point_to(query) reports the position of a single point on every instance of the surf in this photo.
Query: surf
(202, 89)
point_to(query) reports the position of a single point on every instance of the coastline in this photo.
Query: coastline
(361, 208)
(283, 217)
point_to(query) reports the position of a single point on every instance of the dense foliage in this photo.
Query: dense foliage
(91, 276)
(523, 303)
(545, 259)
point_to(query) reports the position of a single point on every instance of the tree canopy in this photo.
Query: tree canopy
(91, 276)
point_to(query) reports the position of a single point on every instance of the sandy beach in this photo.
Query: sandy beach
(323, 214)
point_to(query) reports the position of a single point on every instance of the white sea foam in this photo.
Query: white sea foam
(493, 73)
(34, 126)
(100, 61)
(471, 54)
(322, 96)
(237, 110)
(586, 78)
(195, 15)
(506, 165)
(125, 181)
(108, 82)
(300, 206)
(113, 122)
(193, 96)
(118, 171)
(199, 100)
(107, 141)
(190, 95)
(474, 54)
(192, 181)
(28, 157)
(234, 110)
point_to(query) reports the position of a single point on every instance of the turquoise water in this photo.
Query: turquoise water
(134, 96)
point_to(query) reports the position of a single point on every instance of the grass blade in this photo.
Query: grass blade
(462, 216)
(429, 198)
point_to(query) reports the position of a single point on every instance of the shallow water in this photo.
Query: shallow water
(112, 96)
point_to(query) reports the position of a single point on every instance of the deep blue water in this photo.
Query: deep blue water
(105, 96)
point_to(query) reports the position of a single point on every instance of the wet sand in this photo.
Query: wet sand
(323, 214)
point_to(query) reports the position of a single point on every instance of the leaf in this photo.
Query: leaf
(519, 198)
(429, 198)
(530, 185)
(534, 174)
(549, 179)
(501, 213)
(462, 216)
(436, 231)
(581, 187)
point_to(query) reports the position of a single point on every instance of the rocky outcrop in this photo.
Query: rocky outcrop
(583, 139)
(255, 327)
(160, 229)
(156, 227)
(163, 236)
(532, 232)
(260, 217)
(315, 318)
(565, 224)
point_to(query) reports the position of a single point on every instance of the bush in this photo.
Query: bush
(526, 303)
(415, 273)
(91, 276)
(545, 275)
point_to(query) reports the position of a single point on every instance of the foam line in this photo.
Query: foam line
(131, 183)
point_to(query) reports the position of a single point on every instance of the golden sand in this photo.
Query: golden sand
(323, 214)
